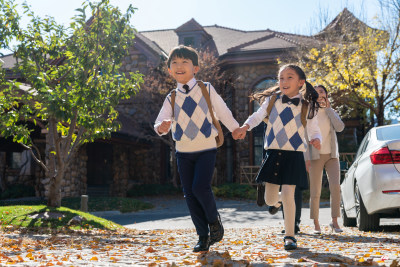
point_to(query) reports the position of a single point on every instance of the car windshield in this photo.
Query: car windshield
(388, 133)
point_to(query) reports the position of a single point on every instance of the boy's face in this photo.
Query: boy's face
(289, 82)
(182, 69)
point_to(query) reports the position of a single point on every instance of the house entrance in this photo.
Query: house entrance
(99, 169)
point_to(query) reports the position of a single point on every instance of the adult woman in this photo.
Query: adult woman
(328, 157)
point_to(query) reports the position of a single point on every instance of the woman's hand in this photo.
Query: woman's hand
(316, 143)
(308, 163)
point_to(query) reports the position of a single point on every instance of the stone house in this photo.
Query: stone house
(111, 167)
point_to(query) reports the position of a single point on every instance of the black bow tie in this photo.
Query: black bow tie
(294, 101)
(186, 87)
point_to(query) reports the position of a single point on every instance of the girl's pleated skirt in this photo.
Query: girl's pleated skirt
(283, 167)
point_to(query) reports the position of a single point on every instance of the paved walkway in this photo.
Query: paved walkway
(172, 213)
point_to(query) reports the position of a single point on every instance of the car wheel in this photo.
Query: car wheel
(365, 221)
(348, 222)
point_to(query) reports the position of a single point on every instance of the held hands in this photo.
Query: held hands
(316, 143)
(164, 126)
(240, 133)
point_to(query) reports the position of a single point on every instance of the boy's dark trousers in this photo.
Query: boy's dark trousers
(196, 172)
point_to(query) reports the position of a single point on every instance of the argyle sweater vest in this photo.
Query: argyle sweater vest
(192, 119)
(284, 128)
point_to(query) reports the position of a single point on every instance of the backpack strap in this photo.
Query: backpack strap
(173, 95)
(270, 106)
(207, 97)
(220, 138)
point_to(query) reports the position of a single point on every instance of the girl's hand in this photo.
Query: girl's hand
(164, 126)
(316, 143)
(308, 163)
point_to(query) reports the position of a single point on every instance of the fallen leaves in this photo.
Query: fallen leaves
(240, 247)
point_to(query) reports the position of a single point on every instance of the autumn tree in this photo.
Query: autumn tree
(358, 64)
(71, 81)
(158, 84)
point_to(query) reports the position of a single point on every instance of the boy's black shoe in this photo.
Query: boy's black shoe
(203, 245)
(273, 210)
(260, 195)
(216, 231)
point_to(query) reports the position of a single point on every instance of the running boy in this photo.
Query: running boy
(194, 135)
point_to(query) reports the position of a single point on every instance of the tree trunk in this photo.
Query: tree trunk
(381, 114)
(55, 173)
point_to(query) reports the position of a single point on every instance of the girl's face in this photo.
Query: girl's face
(289, 82)
(182, 69)
(322, 96)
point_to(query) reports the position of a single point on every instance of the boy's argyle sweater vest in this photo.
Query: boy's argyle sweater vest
(284, 129)
(191, 117)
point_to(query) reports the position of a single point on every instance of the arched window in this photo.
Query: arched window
(258, 132)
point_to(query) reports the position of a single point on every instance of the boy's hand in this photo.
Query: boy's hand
(308, 163)
(240, 133)
(316, 143)
(164, 126)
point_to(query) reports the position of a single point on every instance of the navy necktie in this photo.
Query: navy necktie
(186, 87)
(294, 101)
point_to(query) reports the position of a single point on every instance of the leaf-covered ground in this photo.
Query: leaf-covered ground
(240, 247)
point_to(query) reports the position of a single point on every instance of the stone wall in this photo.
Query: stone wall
(74, 183)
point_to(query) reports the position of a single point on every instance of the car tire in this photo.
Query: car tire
(365, 221)
(348, 222)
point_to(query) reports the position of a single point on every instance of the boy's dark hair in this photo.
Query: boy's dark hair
(184, 52)
(309, 93)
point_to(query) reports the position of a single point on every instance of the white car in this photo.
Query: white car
(371, 187)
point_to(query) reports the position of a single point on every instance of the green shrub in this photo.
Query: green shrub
(325, 195)
(233, 190)
(153, 190)
(17, 191)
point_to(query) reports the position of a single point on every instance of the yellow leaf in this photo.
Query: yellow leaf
(94, 258)
(361, 260)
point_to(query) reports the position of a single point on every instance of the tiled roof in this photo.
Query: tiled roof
(8, 61)
(165, 39)
(227, 39)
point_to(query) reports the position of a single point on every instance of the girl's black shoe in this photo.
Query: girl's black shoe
(290, 245)
(260, 195)
(273, 210)
(203, 245)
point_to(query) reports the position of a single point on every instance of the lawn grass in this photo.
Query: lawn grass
(19, 216)
(94, 203)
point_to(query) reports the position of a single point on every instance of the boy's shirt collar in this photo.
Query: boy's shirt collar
(192, 83)
(296, 96)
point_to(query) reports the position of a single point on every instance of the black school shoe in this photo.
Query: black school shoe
(203, 244)
(216, 231)
(290, 245)
(260, 195)
(273, 210)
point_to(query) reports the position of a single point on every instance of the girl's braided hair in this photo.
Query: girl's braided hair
(308, 92)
